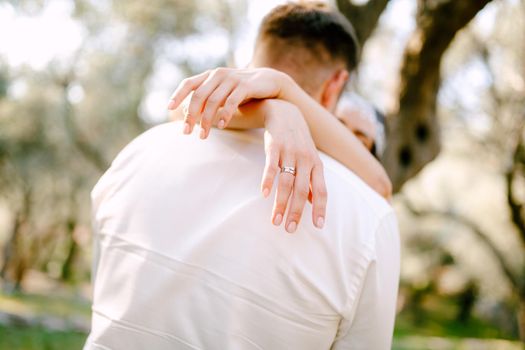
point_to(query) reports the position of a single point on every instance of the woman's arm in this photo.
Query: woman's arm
(212, 106)
(250, 115)
(333, 138)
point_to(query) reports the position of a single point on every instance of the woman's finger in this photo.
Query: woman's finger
(234, 100)
(214, 102)
(299, 196)
(200, 96)
(284, 189)
(319, 195)
(271, 168)
(185, 88)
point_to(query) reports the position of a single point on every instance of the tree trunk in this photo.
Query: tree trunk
(67, 267)
(4, 82)
(413, 134)
(363, 17)
(89, 151)
(20, 269)
(517, 217)
(13, 256)
(10, 246)
(516, 169)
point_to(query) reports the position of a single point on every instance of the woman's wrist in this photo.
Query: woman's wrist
(274, 111)
(288, 88)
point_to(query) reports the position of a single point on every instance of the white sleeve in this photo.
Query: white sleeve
(95, 253)
(373, 322)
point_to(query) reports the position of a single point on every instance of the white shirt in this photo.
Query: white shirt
(188, 257)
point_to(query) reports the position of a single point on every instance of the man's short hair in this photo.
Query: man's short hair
(312, 26)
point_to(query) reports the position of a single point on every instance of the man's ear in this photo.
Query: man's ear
(333, 88)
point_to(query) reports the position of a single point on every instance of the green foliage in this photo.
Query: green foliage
(37, 338)
(437, 318)
(42, 339)
(4, 83)
(161, 16)
(434, 343)
(61, 125)
(438, 326)
(62, 305)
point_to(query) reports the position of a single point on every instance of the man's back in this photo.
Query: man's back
(190, 259)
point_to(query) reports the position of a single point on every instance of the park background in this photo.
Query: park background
(80, 78)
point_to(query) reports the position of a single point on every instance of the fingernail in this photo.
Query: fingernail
(278, 219)
(202, 134)
(291, 227)
(171, 105)
(266, 192)
(221, 124)
(186, 128)
(320, 222)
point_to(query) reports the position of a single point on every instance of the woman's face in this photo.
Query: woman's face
(357, 122)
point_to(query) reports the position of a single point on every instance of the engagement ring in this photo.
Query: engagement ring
(288, 169)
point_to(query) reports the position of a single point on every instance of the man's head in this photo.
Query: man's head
(312, 43)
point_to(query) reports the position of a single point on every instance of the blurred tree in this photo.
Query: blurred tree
(4, 83)
(502, 141)
(493, 130)
(28, 159)
(60, 126)
(413, 129)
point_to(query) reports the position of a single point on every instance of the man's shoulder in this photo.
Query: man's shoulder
(352, 191)
(166, 145)
(346, 191)
(355, 212)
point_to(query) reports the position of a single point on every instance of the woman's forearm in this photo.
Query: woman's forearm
(333, 138)
(329, 135)
(249, 116)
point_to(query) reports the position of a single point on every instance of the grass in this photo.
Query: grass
(37, 338)
(437, 318)
(432, 328)
(439, 343)
(37, 304)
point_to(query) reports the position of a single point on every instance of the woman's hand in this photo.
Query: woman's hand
(218, 93)
(290, 149)
(291, 154)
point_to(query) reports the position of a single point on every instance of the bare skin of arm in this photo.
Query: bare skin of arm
(329, 135)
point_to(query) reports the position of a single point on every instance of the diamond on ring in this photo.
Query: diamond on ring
(288, 169)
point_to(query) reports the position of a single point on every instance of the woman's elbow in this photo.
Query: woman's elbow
(383, 186)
